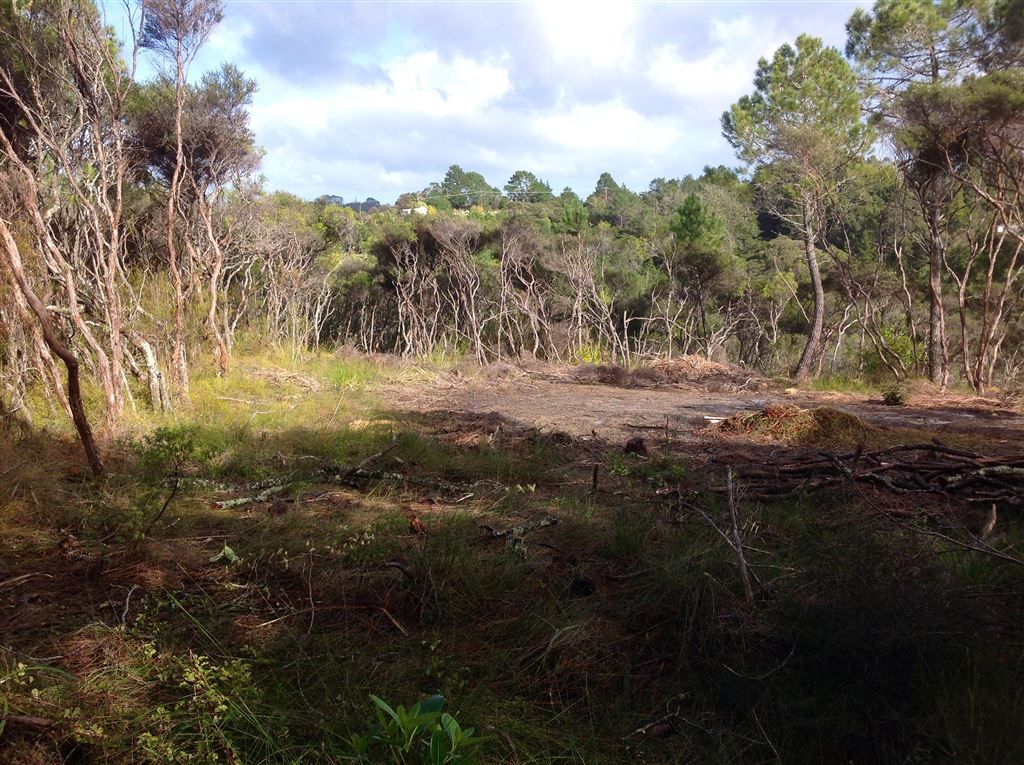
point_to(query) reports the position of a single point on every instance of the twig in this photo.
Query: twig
(374, 457)
(347, 606)
(335, 414)
(936, 469)
(230, 504)
(167, 503)
(127, 602)
(401, 567)
(19, 579)
(312, 602)
(12, 468)
(976, 545)
(737, 543)
(768, 673)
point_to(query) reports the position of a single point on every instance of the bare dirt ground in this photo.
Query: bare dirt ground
(618, 406)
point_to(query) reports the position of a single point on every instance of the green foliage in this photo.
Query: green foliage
(524, 186)
(898, 351)
(591, 353)
(616, 205)
(206, 715)
(895, 395)
(167, 451)
(901, 41)
(660, 472)
(574, 217)
(803, 118)
(419, 735)
(859, 648)
(699, 241)
(463, 190)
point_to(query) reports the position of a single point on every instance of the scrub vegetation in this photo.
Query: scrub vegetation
(727, 470)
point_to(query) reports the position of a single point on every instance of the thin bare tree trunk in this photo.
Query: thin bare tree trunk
(178, 360)
(938, 360)
(807, 358)
(220, 347)
(13, 260)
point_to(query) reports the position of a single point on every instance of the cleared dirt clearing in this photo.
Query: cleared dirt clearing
(616, 413)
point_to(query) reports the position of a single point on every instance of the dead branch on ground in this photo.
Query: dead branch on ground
(913, 468)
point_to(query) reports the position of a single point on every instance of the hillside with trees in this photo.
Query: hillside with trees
(179, 341)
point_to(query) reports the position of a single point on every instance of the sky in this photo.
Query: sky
(377, 98)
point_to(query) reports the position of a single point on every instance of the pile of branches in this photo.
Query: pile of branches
(930, 468)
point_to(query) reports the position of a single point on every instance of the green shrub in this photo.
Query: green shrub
(895, 395)
(420, 735)
(900, 344)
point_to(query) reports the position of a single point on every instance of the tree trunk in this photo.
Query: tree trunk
(219, 346)
(13, 260)
(178, 360)
(158, 395)
(938, 363)
(803, 369)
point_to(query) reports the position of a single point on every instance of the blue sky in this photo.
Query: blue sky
(376, 98)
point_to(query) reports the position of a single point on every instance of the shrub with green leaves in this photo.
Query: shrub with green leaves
(167, 451)
(895, 395)
(419, 735)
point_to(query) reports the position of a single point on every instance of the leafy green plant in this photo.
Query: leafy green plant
(167, 451)
(900, 352)
(205, 715)
(590, 353)
(660, 471)
(163, 460)
(419, 735)
(895, 395)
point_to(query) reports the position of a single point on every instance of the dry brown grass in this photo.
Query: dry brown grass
(681, 371)
(823, 426)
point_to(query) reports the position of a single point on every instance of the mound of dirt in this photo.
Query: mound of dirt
(823, 426)
(682, 371)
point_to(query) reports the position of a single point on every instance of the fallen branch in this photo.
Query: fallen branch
(736, 541)
(163, 509)
(27, 723)
(516, 531)
(230, 504)
(905, 469)
(348, 606)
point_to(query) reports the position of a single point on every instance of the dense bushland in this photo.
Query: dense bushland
(877, 230)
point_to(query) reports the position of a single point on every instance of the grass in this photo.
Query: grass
(620, 634)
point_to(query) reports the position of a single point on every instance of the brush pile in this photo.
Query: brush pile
(686, 371)
(823, 426)
(931, 468)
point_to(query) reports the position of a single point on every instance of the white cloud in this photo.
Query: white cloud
(459, 86)
(605, 126)
(594, 33)
(226, 44)
(723, 74)
(566, 89)
(419, 85)
(713, 75)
